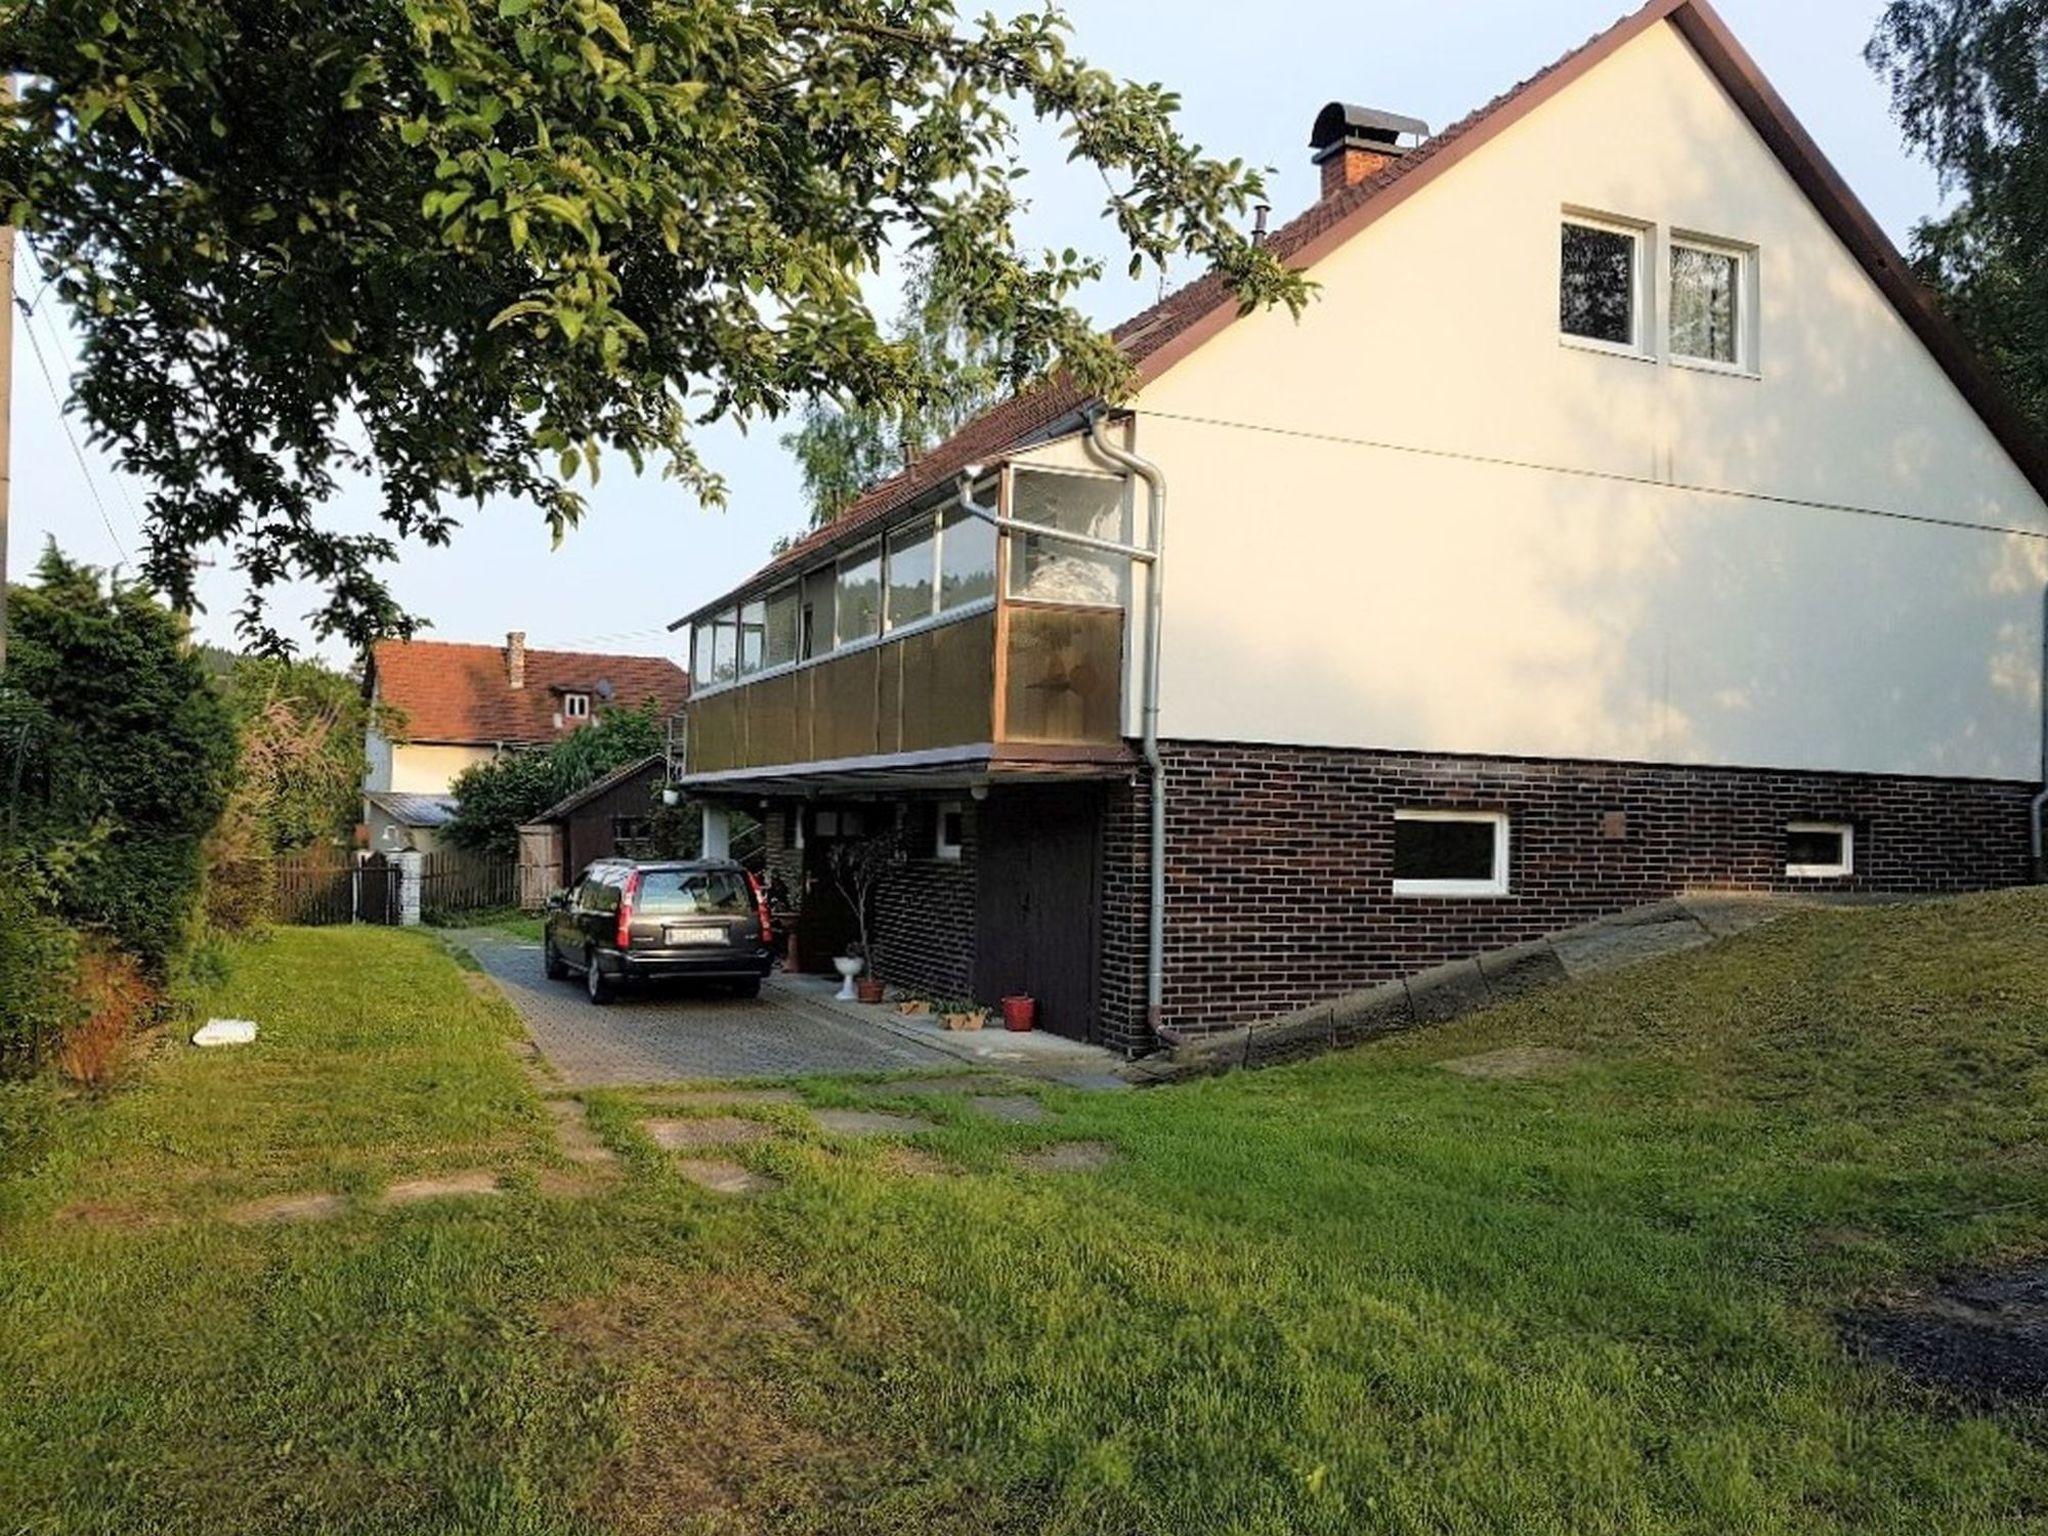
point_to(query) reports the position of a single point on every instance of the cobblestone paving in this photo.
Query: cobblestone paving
(671, 1034)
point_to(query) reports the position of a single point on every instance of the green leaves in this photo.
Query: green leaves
(441, 242)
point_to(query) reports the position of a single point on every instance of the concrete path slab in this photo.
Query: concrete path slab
(1013, 1108)
(711, 1131)
(281, 1210)
(1066, 1157)
(723, 1178)
(869, 1122)
(447, 1186)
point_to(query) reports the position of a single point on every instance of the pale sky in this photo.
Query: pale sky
(1251, 83)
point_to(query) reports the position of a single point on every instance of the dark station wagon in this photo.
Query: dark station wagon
(628, 920)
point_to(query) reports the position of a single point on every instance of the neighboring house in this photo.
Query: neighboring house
(438, 708)
(1620, 519)
(613, 816)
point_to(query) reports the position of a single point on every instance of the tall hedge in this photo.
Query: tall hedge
(125, 752)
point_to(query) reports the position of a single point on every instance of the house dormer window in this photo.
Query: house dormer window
(1603, 290)
(575, 706)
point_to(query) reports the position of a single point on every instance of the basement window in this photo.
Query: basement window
(1601, 292)
(1820, 850)
(1450, 853)
(952, 834)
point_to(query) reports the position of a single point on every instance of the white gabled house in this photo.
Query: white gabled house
(1622, 519)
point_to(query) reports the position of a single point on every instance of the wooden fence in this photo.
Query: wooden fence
(324, 886)
(314, 888)
(454, 881)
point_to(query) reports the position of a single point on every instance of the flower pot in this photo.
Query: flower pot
(848, 967)
(965, 1023)
(914, 1008)
(1020, 1014)
(868, 989)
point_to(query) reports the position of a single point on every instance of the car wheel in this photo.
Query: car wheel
(596, 984)
(550, 962)
(751, 987)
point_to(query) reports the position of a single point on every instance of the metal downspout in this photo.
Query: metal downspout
(1155, 601)
(2041, 800)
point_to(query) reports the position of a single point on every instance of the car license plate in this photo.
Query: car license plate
(679, 937)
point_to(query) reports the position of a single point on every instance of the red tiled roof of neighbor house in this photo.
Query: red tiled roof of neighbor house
(1167, 332)
(463, 693)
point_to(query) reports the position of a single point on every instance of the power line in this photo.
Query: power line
(91, 483)
(1614, 477)
(35, 312)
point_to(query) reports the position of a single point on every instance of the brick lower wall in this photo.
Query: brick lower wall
(1280, 862)
(924, 907)
(924, 914)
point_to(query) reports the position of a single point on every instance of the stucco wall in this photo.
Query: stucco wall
(422, 770)
(1418, 521)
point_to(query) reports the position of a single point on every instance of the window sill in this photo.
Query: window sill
(1450, 890)
(1606, 349)
(1725, 370)
(1817, 872)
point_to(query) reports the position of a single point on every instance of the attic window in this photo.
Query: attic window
(1601, 300)
(575, 706)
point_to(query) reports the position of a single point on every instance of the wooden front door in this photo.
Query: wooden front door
(1039, 904)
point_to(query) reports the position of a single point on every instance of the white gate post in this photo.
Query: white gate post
(409, 887)
(717, 832)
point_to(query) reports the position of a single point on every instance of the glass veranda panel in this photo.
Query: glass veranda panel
(858, 598)
(910, 574)
(967, 559)
(1052, 570)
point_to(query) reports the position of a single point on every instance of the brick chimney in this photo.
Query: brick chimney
(515, 659)
(1353, 143)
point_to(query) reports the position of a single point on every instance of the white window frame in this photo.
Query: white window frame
(1497, 885)
(943, 849)
(1010, 564)
(1748, 295)
(1847, 867)
(1647, 278)
(575, 706)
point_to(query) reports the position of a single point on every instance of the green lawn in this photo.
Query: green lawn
(1364, 1294)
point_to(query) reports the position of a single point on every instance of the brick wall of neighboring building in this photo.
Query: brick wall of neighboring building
(1280, 862)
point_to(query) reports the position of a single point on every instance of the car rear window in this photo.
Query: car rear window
(689, 893)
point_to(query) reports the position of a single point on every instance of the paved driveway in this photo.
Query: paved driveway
(668, 1034)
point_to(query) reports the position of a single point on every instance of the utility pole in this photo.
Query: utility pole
(6, 390)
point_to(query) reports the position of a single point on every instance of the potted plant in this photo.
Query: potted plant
(849, 965)
(963, 1017)
(857, 869)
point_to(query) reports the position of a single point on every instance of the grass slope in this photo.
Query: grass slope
(1361, 1294)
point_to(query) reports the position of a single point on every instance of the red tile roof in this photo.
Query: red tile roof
(462, 693)
(1163, 334)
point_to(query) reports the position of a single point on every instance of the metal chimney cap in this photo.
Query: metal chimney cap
(1342, 122)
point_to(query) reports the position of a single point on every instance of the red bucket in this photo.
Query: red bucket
(1019, 1014)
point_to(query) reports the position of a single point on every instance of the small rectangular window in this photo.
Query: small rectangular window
(1710, 303)
(952, 837)
(967, 558)
(780, 643)
(1450, 853)
(910, 575)
(857, 600)
(1601, 291)
(575, 706)
(753, 636)
(1820, 850)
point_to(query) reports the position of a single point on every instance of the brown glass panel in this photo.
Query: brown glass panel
(915, 714)
(714, 737)
(843, 703)
(1065, 675)
(771, 722)
(889, 698)
(961, 688)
